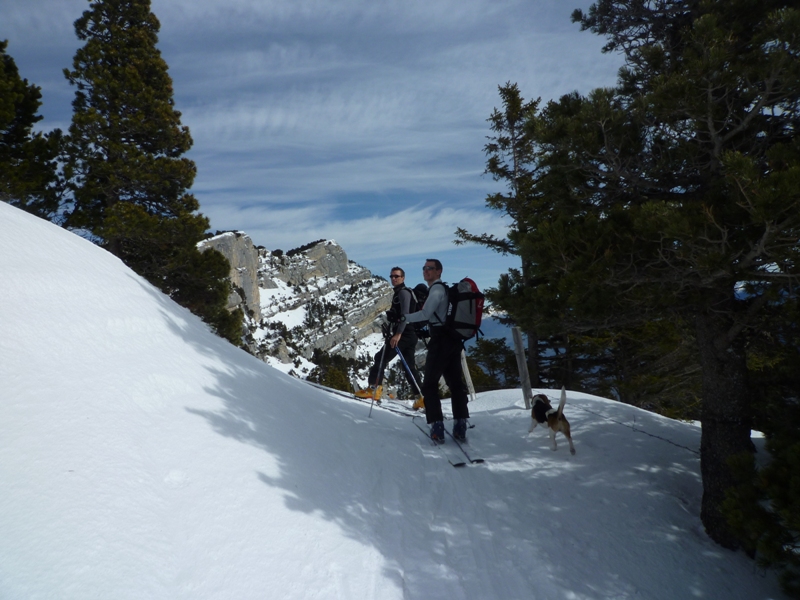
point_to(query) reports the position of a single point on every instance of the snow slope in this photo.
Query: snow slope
(143, 457)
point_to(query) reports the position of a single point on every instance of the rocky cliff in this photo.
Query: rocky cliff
(308, 298)
(238, 248)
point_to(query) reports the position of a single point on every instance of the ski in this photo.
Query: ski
(474, 461)
(442, 450)
(398, 408)
(384, 404)
(403, 404)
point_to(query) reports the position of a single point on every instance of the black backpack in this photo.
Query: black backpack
(418, 296)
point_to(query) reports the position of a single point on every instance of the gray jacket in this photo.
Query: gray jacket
(435, 309)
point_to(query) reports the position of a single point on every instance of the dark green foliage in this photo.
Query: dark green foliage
(652, 366)
(510, 159)
(28, 174)
(303, 248)
(497, 364)
(199, 281)
(664, 217)
(481, 380)
(542, 204)
(319, 311)
(395, 377)
(689, 205)
(126, 140)
(333, 370)
(764, 508)
(124, 162)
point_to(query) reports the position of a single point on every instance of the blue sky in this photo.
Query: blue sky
(354, 120)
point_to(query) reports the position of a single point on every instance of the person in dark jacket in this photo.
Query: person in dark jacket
(401, 336)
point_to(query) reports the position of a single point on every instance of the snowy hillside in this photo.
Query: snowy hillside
(143, 457)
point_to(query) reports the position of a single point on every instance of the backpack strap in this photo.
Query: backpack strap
(412, 304)
(447, 297)
(410, 291)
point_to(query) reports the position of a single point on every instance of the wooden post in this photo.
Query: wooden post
(467, 376)
(522, 365)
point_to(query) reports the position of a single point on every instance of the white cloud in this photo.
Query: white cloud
(401, 15)
(378, 235)
(352, 120)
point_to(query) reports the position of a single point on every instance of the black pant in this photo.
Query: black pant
(444, 359)
(407, 346)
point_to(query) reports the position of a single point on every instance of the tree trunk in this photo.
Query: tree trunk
(725, 418)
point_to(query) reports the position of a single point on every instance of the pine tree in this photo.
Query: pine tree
(497, 362)
(333, 370)
(673, 199)
(693, 165)
(510, 159)
(125, 165)
(481, 380)
(540, 204)
(28, 175)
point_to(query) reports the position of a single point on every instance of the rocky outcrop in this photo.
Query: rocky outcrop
(306, 299)
(238, 248)
(323, 260)
(323, 300)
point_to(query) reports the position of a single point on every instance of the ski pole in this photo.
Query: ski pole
(408, 369)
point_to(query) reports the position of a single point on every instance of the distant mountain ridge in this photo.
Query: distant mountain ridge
(312, 297)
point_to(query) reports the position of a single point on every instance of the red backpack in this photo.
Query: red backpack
(464, 308)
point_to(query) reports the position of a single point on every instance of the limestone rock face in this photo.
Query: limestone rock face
(238, 248)
(322, 260)
(323, 300)
(306, 299)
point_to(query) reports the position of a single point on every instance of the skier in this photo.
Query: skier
(399, 336)
(444, 357)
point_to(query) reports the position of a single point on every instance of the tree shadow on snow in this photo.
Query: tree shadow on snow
(609, 522)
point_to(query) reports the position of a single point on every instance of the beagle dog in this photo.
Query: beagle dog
(544, 413)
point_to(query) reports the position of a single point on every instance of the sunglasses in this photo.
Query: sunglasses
(428, 268)
(395, 276)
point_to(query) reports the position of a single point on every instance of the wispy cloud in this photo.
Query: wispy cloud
(358, 120)
(377, 240)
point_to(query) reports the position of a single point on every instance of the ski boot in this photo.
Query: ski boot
(437, 432)
(460, 430)
(370, 393)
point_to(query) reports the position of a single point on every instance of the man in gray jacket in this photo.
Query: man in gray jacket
(444, 357)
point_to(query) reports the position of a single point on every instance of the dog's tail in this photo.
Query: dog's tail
(562, 402)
